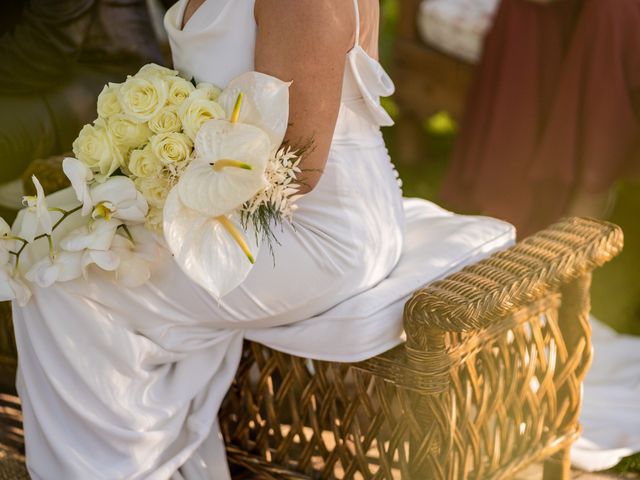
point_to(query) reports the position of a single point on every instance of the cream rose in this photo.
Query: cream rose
(152, 70)
(208, 91)
(171, 147)
(143, 98)
(195, 111)
(126, 131)
(179, 90)
(144, 163)
(95, 148)
(108, 103)
(154, 190)
(166, 121)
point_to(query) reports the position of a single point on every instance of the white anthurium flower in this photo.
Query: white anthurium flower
(62, 267)
(118, 198)
(37, 215)
(228, 170)
(12, 287)
(80, 177)
(215, 252)
(265, 104)
(136, 257)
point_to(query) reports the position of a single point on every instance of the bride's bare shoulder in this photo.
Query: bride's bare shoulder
(326, 20)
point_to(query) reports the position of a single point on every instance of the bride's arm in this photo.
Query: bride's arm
(305, 41)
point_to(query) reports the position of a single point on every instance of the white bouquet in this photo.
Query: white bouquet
(206, 168)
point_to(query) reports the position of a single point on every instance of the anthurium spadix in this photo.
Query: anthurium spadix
(265, 104)
(206, 248)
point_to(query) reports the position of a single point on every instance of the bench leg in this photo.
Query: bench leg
(558, 466)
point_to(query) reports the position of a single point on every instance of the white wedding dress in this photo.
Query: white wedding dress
(121, 383)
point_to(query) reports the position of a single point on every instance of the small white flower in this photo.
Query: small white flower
(62, 267)
(12, 287)
(118, 198)
(37, 214)
(80, 177)
(136, 257)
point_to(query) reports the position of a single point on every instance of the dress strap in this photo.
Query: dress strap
(357, 11)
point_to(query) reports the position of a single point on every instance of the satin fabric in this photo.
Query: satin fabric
(121, 383)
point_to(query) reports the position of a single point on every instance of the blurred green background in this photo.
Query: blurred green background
(616, 287)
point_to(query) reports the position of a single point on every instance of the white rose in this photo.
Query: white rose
(143, 98)
(108, 103)
(95, 148)
(208, 91)
(154, 190)
(126, 131)
(171, 147)
(167, 120)
(195, 111)
(153, 70)
(179, 90)
(144, 163)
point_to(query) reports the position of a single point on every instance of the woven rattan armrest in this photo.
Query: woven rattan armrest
(489, 290)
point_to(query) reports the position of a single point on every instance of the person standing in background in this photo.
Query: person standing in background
(55, 58)
(553, 119)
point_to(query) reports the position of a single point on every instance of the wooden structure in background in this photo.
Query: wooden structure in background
(427, 81)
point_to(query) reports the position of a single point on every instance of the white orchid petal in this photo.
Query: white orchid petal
(29, 226)
(79, 175)
(21, 291)
(133, 211)
(6, 292)
(97, 237)
(70, 266)
(104, 259)
(42, 210)
(43, 273)
(265, 103)
(115, 190)
(216, 193)
(13, 288)
(204, 250)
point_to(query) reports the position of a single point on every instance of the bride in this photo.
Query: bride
(121, 383)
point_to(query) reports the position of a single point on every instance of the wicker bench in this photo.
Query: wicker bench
(488, 381)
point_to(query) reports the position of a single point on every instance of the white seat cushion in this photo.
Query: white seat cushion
(456, 27)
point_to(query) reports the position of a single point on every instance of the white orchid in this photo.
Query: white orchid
(12, 287)
(60, 267)
(80, 177)
(37, 216)
(93, 242)
(136, 256)
(118, 198)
